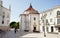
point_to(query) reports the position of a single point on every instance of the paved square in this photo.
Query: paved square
(39, 35)
(11, 34)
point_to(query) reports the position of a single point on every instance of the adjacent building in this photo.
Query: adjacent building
(4, 16)
(51, 19)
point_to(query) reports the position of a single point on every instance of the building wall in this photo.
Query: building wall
(36, 22)
(7, 16)
(22, 26)
(27, 22)
(4, 16)
(51, 16)
(41, 23)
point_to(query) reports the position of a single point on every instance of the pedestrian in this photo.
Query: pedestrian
(15, 30)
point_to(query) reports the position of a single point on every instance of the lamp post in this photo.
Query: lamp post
(45, 27)
(44, 18)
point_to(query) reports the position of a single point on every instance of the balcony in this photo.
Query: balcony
(58, 14)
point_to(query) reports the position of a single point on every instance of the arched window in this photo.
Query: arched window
(3, 15)
(58, 12)
(34, 18)
(2, 21)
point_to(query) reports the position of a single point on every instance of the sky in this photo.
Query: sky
(19, 6)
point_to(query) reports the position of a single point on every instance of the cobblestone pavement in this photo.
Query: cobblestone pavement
(11, 34)
(40, 35)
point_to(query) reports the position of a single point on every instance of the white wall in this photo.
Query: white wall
(51, 14)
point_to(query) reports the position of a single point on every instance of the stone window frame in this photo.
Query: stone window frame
(2, 21)
(34, 18)
(3, 16)
(58, 21)
(58, 12)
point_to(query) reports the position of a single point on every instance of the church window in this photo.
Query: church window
(46, 21)
(58, 12)
(2, 21)
(3, 15)
(58, 21)
(34, 18)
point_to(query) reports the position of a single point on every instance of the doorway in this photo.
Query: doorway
(59, 29)
(52, 29)
(34, 29)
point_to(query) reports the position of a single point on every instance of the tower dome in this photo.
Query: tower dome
(31, 10)
(1, 2)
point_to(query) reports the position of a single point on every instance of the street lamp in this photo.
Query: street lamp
(44, 18)
(44, 27)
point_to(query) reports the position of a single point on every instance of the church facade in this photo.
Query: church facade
(30, 20)
(46, 21)
(4, 17)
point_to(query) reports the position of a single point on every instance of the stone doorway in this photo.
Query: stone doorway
(52, 29)
(59, 29)
(34, 29)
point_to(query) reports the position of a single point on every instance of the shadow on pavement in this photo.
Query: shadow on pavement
(22, 33)
(2, 34)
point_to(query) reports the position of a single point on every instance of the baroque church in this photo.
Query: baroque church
(30, 20)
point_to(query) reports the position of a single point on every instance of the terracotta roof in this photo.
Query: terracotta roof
(32, 10)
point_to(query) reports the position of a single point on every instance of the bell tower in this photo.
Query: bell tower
(10, 7)
(1, 2)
